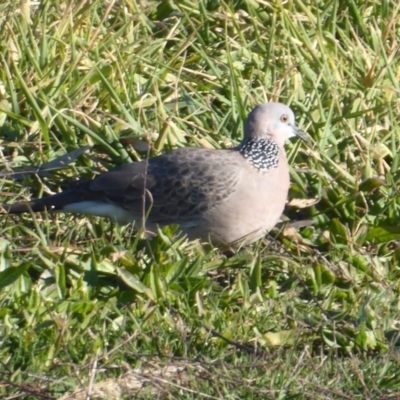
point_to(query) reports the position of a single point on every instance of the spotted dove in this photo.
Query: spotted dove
(232, 197)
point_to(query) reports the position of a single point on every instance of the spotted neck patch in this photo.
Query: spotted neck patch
(262, 154)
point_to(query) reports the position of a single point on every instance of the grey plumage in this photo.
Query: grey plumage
(232, 196)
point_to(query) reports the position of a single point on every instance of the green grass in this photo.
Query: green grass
(309, 312)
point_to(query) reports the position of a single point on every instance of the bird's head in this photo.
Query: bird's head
(272, 121)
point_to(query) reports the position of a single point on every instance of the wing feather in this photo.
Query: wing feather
(182, 184)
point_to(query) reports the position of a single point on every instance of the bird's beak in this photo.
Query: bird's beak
(300, 134)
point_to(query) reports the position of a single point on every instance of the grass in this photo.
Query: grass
(309, 312)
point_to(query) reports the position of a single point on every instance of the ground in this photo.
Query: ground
(311, 311)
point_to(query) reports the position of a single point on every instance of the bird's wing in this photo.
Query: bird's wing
(178, 185)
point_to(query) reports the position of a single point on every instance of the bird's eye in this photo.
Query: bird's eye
(284, 118)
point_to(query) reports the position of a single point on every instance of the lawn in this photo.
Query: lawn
(89, 309)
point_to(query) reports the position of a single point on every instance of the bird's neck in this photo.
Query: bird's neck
(262, 154)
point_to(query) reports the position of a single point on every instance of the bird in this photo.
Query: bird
(230, 197)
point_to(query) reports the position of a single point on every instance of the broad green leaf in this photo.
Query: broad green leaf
(11, 274)
(383, 233)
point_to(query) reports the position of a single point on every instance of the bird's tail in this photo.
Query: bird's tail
(56, 202)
